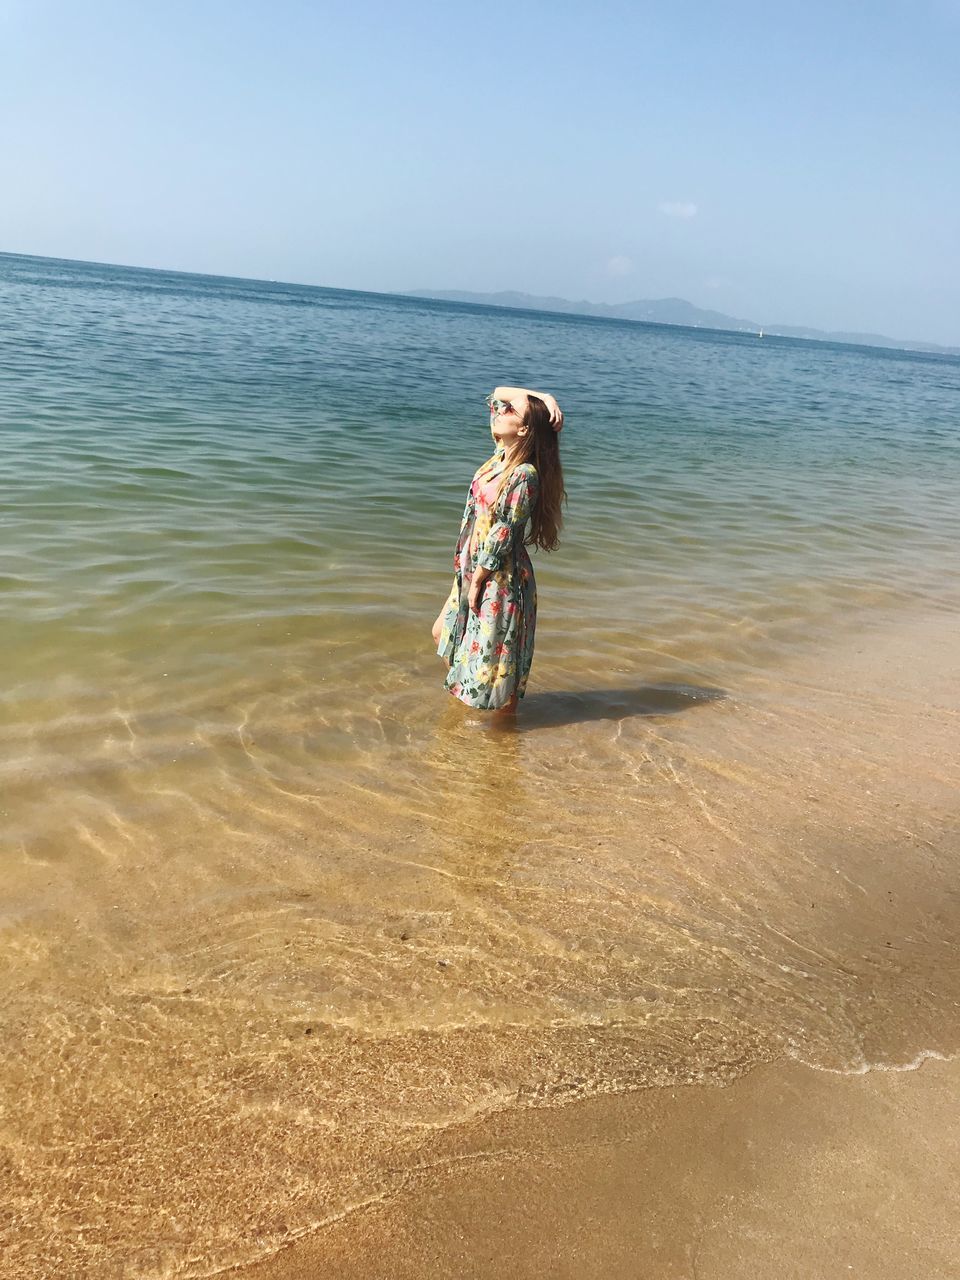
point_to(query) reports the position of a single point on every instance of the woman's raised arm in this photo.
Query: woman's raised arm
(554, 410)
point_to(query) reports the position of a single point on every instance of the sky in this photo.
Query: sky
(786, 164)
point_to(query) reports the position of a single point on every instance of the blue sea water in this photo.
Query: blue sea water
(211, 453)
(273, 904)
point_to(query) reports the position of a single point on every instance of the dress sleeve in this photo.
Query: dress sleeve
(462, 538)
(512, 513)
(467, 508)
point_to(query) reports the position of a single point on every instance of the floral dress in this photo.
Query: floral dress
(489, 652)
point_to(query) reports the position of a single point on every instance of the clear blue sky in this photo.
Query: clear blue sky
(794, 164)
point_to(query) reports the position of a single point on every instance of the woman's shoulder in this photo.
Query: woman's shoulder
(524, 470)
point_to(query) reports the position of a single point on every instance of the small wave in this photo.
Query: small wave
(865, 1068)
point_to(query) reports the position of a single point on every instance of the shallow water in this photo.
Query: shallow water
(274, 905)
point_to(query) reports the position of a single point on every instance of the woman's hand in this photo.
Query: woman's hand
(556, 413)
(554, 410)
(477, 583)
(438, 626)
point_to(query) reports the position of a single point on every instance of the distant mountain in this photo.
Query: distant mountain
(671, 311)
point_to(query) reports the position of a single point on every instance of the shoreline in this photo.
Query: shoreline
(788, 1172)
(747, 914)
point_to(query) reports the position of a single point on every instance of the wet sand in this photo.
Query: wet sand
(790, 1172)
(323, 1030)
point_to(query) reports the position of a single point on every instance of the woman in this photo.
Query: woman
(485, 631)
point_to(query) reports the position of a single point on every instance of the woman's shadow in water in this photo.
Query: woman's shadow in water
(548, 710)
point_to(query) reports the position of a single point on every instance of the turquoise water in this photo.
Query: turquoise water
(265, 883)
(199, 456)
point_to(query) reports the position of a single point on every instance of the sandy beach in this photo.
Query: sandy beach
(794, 1118)
(748, 1110)
(789, 1173)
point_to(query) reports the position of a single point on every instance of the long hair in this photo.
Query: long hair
(541, 446)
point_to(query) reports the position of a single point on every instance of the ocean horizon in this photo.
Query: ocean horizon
(912, 346)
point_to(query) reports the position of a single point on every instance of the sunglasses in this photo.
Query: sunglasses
(498, 407)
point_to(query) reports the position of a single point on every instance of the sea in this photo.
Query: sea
(275, 909)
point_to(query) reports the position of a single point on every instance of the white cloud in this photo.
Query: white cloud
(619, 266)
(678, 208)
